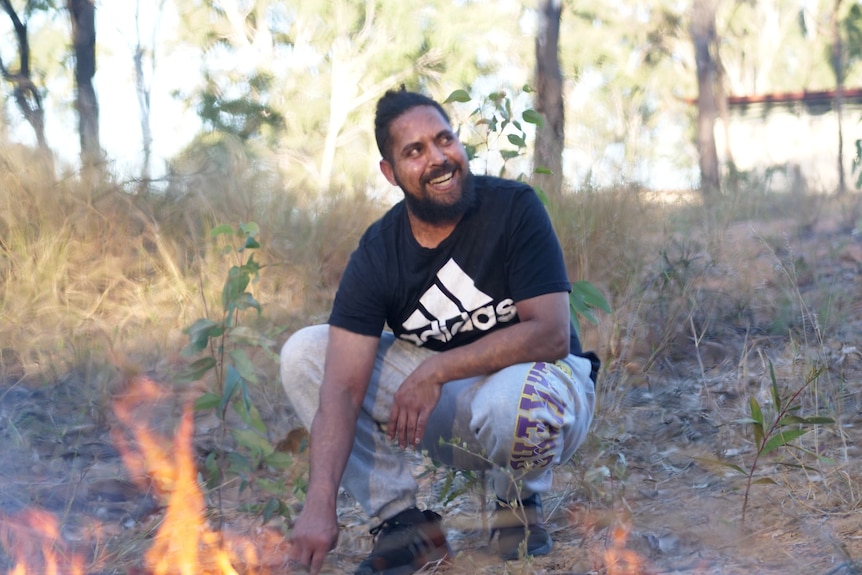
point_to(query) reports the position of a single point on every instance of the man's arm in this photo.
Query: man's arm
(349, 363)
(542, 334)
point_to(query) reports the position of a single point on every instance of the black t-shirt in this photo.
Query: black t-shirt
(503, 250)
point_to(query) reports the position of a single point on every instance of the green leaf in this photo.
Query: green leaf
(243, 365)
(517, 140)
(818, 420)
(270, 509)
(223, 229)
(200, 333)
(461, 96)
(245, 301)
(248, 336)
(252, 441)
(764, 481)
(757, 417)
(239, 463)
(213, 472)
(208, 400)
(279, 461)
(710, 461)
(196, 370)
(542, 170)
(591, 295)
(250, 414)
(497, 97)
(776, 396)
(250, 244)
(533, 117)
(250, 229)
(231, 381)
(235, 285)
(782, 439)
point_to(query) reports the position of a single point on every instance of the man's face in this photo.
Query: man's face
(430, 165)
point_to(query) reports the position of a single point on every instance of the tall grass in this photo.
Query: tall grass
(90, 271)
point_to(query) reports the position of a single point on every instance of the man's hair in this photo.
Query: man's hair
(391, 106)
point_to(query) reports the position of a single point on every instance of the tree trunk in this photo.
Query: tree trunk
(26, 93)
(705, 46)
(83, 15)
(550, 136)
(837, 57)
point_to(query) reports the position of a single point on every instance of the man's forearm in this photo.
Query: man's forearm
(528, 340)
(331, 439)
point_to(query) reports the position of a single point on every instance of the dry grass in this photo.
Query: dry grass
(96, 280)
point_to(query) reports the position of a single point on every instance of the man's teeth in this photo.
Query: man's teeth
(442, 179)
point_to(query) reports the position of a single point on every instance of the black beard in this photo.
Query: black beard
(430, 212)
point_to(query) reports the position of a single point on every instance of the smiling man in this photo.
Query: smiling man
(450, 334)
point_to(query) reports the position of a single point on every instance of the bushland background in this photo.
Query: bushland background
(726, 434)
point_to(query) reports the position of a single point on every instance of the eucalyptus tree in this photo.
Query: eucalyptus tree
(83, 17)
(144, 60)
(705, 40)
(550, 134)
(25, 90)
(629, 75)
(299, 79)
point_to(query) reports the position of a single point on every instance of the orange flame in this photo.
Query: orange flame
(618, 559)
(184, 544)
(32, 538)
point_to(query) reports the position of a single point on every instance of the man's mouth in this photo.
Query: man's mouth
(441, 179)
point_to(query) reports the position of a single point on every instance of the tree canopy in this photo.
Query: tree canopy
(293, 83)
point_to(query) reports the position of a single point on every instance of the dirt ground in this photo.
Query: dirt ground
(646, 496)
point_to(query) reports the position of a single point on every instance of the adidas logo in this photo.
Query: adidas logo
(454, 305)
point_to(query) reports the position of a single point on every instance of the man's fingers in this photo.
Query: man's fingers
(316, 563)
(419, 432)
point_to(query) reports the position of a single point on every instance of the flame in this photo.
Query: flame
(184, 544)
(33, 539)
(618, 559)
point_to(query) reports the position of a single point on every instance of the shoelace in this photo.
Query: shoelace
(392, 524)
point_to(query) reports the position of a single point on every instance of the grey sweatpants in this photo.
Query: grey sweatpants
(516, 423)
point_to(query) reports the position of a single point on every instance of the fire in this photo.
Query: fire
(184, 544)
(32, 538)
(618, 559)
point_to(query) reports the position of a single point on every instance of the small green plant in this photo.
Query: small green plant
(224, 342)
(491, 119)
(781, 430)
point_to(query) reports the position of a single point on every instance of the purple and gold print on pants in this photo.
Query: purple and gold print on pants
(538, 422)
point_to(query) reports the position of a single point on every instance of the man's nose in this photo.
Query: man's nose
(436, 154)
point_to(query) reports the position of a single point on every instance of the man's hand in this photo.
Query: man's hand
(314, 535)
(412, 406)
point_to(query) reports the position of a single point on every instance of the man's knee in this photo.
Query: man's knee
(302, 361)
(307, 340)
(520, 422)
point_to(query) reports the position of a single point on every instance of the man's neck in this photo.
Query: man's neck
(430, 235)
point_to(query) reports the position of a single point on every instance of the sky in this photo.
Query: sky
(172, 123)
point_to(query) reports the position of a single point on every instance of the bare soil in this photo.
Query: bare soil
(651, 492)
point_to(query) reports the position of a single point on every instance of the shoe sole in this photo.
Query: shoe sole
(538, 552)
(439, 555)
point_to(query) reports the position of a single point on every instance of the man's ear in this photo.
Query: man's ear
(388, 172)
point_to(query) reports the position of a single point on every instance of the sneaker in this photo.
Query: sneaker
(405, 543)
(520, 528)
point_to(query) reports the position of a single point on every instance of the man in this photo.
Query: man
(482, 368)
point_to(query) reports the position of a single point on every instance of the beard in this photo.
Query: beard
(431, 211)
